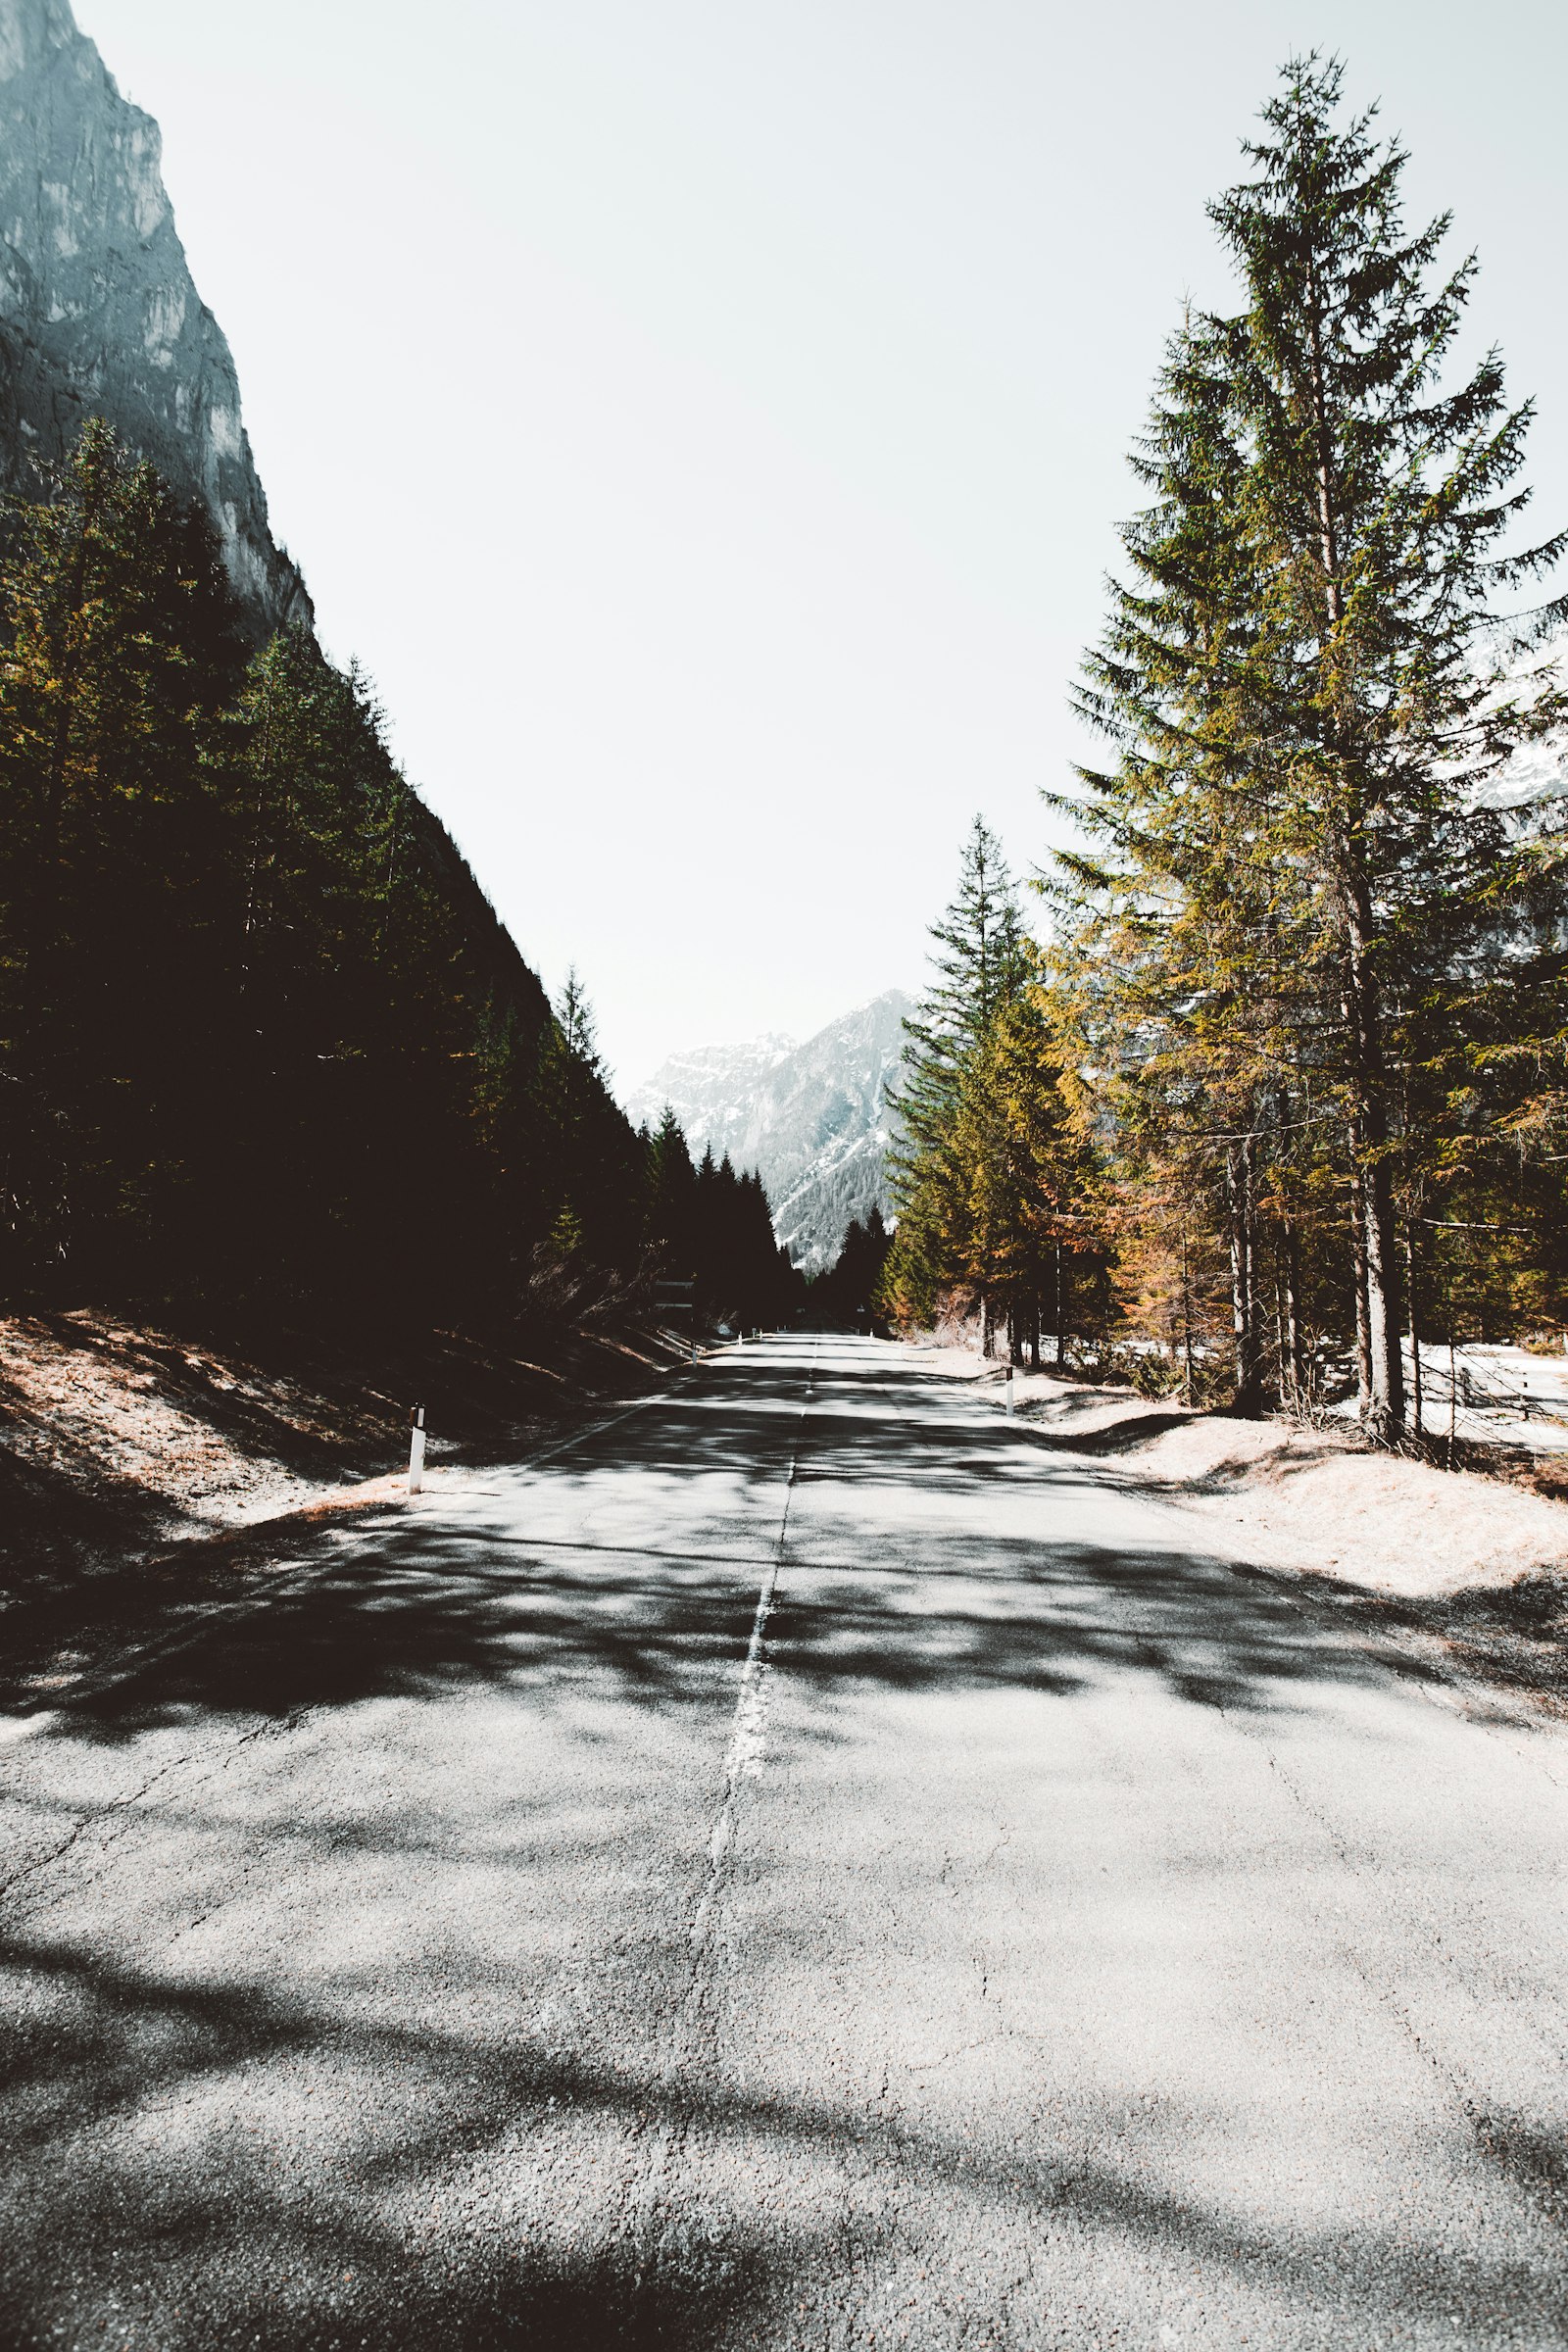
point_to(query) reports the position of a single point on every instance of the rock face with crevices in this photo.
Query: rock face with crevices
(99, 315)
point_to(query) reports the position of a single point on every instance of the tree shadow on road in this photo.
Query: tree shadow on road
(158, 2184)
(889, 1583)
(195, 2161)
(423, 1612)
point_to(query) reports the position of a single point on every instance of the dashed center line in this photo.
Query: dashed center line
(749, 1737)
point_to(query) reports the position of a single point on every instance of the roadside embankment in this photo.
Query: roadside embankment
(143, 1469)
(1460, 1560)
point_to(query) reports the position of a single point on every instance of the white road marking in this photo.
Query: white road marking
(748, 1744)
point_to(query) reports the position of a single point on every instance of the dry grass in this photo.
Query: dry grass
(147, 1475)
(118, 1439)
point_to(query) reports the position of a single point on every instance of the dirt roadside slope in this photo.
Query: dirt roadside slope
(144, 1471)
(1469, 1568)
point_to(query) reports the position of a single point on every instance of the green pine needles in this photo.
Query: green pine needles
(1292, 880)
(988, 1173)
(1292, 1064)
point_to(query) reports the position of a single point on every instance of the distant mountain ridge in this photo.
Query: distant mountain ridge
(812, 1120)
(99, 315)
(713, 1090)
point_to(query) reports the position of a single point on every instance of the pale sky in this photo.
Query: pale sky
(706, 418)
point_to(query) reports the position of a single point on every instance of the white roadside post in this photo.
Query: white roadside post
(416, 1450)
(1010, 1392)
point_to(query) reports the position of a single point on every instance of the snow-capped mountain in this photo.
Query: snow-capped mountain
(812, 1120)
(1535, 780)
(712, 1090)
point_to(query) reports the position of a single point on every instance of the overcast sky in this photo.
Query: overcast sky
(706, 419)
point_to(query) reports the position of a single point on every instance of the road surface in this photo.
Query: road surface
(813, 1864)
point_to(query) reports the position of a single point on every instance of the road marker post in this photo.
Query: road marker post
(1010, 1392)
(415, 1448)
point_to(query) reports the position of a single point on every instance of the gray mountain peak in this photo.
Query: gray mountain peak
(99, 315)
(811, 1120)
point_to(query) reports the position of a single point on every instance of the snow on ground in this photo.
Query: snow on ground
(1303, 1498)
(1499, 1396)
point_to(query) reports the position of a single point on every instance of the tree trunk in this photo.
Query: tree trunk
(1378, 1358)
(1385, 1410)
(1061, 1313)
(1380, 1364)
(1293, 1313)
(988, 1324)
(1415, 1334)
(1363, 1338)
(1034, 1331)
(1244, 1286)
(1385, 1317)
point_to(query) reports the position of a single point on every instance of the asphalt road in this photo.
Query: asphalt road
(810, 1865)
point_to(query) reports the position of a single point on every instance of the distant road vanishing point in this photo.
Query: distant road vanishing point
(809, 1864)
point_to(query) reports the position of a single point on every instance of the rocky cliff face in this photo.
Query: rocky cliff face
(811, 1120)
(98, 311)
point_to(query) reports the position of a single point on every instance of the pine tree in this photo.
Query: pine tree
(120, 639)
(672, 1198)
(575, 1017)
(1382, 498)
(846, 1294)
(980, 963)
(1306, 695)
(1032, 1202)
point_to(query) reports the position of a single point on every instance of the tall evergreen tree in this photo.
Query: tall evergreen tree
(1029, 1197)
(671, 1200)
(1306, 685)
(120, 641)
(846, 1294)
(980, 963)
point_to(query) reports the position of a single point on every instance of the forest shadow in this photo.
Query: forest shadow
(419, 1620)
(449, 1598)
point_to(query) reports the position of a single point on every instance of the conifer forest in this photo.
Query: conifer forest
(264, 1043)
(1254, 1082)
(1263, 1077)
(783, 1349)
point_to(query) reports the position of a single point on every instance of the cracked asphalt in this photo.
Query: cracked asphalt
(810, 1864)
